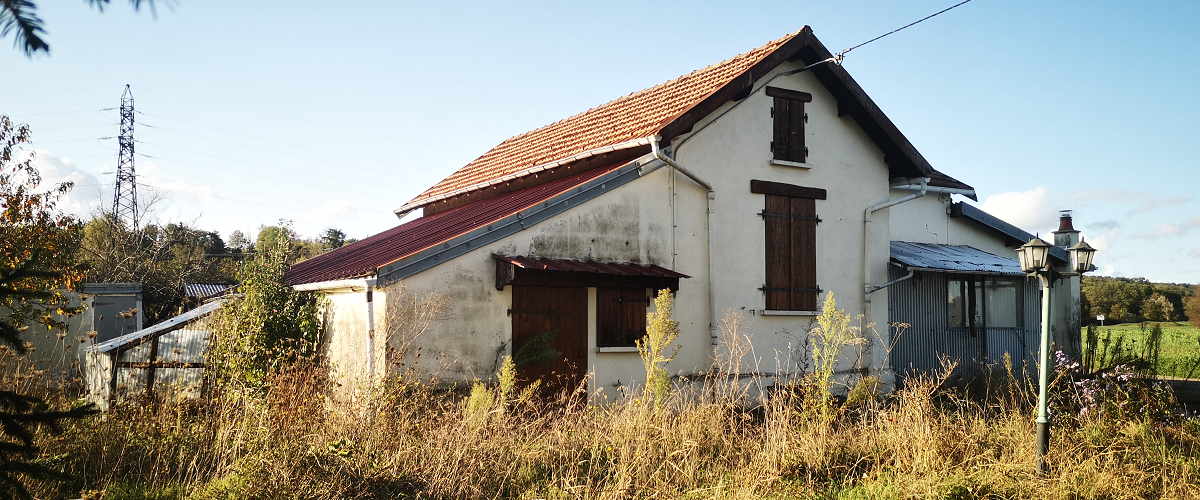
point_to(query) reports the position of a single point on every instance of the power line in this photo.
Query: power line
(69, 140)
(842, 54)
(245, 161)
(255, 193)
(242, 172)
(300, 120)
(258, 203)
(40, 129)
(59, 112)
(391, 172)
(57, 90)
(279, 141)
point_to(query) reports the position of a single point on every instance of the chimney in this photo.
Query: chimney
(1066, 234)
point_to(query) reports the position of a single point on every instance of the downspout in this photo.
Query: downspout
(712, 299)
(866, 260)
(370, 288)
(876, 288)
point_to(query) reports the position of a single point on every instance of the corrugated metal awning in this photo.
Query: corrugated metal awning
(952, 259)
(205, 290)
(591, 266)
(144, 335)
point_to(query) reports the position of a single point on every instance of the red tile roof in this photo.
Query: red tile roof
(635, 116)
(364, 257)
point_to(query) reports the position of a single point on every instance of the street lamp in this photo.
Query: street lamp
(1035, 261)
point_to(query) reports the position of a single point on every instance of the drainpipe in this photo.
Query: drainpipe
(712, 298)
(866, 260)
(876, 288)
(370, 287)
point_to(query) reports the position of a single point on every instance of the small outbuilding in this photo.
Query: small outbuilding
(167, 358)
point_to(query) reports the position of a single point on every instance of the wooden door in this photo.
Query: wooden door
(537, 310)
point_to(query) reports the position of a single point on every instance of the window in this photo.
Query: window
(975, 302)
(790, 227)
(620, 316)
(787, 141)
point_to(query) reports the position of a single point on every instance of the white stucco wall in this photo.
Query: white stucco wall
(926, 220)
(662, 219)
(841, 160)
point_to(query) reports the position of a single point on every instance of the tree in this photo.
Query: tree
(1157, 308)
(20, 17)
(268, 324)
(37, 267)
(299, 249)
(238, 241)
(332, 238)
(162, 257)
(1191, 307)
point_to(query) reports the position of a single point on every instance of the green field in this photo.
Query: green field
(1178, 353)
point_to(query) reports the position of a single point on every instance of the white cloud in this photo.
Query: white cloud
(151, 176)
(1107, 271)
(329, 210)
(1104, 241)
(1166, 230)
(1195, 253)
(1146, 201)
(1027, 210)
(56, 170)
(1156, 203)
(1104, 225)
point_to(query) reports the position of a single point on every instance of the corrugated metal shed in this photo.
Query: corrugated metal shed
(364, 257)
(204, 290)
(140, 336)
(952, 258)
(590, 266)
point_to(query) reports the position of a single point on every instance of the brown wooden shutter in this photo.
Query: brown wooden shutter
(620, 316)
(791, 253)
(781, 139)
(787, 142)
(804, 253)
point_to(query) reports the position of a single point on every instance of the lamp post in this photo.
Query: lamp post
(1035, 261)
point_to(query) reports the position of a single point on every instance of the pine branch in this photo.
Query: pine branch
(18, 16)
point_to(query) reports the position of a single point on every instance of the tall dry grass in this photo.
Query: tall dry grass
(729, 436)
(924, 441)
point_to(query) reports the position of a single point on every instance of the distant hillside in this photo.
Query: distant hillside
(1126, 300)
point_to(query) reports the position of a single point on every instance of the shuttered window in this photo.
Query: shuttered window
(790, 226)
(787, 112)
(620, 316)
(791, 231)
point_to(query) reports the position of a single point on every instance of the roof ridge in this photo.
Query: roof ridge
(612, 122)
(780, 41)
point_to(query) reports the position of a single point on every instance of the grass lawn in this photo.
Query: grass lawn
(1179, 348)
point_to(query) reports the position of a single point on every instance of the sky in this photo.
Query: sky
(250, 113)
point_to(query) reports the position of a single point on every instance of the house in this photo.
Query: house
(756, 185)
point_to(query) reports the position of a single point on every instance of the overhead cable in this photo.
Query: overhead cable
(842, 54)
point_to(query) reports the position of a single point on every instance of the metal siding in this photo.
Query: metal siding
(921, 303)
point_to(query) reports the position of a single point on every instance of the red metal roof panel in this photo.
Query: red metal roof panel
(591, 266)
(364, 257)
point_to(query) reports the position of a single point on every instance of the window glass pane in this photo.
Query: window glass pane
(955, 304)
(975, 286)
(1002, 302)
